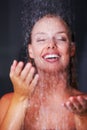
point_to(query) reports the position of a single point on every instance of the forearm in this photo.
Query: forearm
(14, 118)
(81, 122)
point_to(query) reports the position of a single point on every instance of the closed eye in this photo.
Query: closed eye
(41, 40)
(61, 39)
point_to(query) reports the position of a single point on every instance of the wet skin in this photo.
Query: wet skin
(49, 101)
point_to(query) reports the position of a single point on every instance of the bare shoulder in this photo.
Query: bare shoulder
(4, 104)
(6, 97)
(5, 100)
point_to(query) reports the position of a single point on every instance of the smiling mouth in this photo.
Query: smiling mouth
(51, 57)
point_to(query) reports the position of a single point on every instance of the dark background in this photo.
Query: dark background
(11, 40)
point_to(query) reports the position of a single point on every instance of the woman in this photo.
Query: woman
(44, 97)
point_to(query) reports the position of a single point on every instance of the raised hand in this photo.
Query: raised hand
(77, 104)
(23, 79)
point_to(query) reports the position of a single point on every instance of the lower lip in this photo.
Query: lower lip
(51, 60)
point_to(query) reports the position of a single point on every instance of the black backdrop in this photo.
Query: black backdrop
(11, 40)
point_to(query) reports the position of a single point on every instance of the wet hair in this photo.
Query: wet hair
(33, 10)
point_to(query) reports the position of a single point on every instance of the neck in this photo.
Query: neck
(53, 82)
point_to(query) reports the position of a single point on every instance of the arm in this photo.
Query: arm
(24, 84)
(81, 122)
(15, 114)
(81, 115)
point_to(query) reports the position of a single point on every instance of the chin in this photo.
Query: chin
(50, 69)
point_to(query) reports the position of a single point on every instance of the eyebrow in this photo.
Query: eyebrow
(40, 33)
(43, 33)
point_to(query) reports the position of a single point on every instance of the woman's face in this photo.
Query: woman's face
(51, 47)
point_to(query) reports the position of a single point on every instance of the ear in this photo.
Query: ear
(73, 49)
(30, 50)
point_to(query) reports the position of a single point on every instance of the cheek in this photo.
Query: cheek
(65, 50)
(66, 54)
(36, 51)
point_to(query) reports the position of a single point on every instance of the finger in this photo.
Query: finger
(82, 101)
(70, 106)
(35, 80)
(85, 97)
(18, 68)
(76, 103)
(34, 83)
(13, 66)
(30, 76)
(25, 71)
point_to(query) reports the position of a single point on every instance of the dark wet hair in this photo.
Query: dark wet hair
(33, 10)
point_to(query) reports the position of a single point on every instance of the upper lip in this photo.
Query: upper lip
(51, 55)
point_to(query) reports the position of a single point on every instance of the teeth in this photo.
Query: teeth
(51, 56)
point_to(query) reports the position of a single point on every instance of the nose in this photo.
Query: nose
(52, 44)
